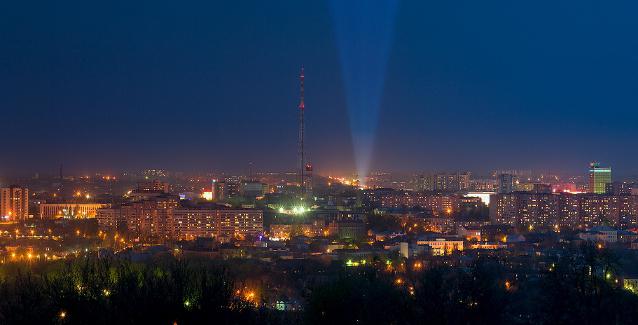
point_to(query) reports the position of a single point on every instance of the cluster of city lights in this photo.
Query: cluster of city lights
(296, 210)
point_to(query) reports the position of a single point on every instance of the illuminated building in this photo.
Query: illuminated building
(161, 218)
(226, 189)
(69, 210)
(110, 219)
(505, 183)
(483, 185)
(442, 246)
(599, 177)
(146, 190)
(444, 182)
(14, 203)
(562, 209)
(469, 233)
(154, 173)
(147, 219)
(619, 188)
(439, 204)
(154, 186)
(602, 234)
(222, 224)
(484, 197)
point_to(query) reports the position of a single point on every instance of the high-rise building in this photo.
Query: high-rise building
(14, 203)
(505, 183)
(226, 189)
(444, 182)
(599, 177)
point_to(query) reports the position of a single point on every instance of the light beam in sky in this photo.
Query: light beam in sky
(364, 31)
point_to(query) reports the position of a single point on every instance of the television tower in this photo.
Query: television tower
(302, 163)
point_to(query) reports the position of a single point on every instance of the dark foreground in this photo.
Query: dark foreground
(576, 290)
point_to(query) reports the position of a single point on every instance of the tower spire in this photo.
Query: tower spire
(301, 89)
(302, 107)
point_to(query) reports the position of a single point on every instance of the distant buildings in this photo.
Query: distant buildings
(149, 189)
(505, 183)
(599, 177)
(252, 189)
(14, 203)
(154, 186)
(444, 182)
(225, 189)
(439, 204)
(162, 218)
(562, 209)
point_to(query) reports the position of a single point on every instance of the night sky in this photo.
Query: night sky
(212, 85)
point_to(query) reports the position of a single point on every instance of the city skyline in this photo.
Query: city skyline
(163, 85)
(322, 162)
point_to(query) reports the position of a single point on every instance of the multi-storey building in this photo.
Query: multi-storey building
(505, 183)
(437, 203)
(599, 177)
(110, 219)
(162, 218)
(442, 246)
(14, 203)
(444, 182)
(70, 210)
(223, 224)
(522, 208)
(226, 189)
(483, 185)
(562, 209)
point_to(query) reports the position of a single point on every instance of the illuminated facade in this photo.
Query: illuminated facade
(70, 210)
(188, 224)
(439, 204)
(14, 203)
(110, 219)
(599, 177)
(160, 219)
(442, 246)
(445, 182)
(562, 209)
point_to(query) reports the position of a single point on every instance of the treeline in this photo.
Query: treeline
(582, 287)
(94, 291)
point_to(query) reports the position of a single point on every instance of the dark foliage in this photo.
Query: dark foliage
(579, 288)
(105, 292)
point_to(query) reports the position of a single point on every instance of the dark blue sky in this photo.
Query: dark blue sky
(210, 85)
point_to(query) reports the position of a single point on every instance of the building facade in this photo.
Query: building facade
(50, 211)
(14, 203)
(161, 219)
(599, 177)
(444, 182)
(574, 211)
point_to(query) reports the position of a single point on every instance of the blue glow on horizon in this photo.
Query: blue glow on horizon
(364, 31)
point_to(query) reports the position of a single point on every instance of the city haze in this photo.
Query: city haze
(156, 84)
